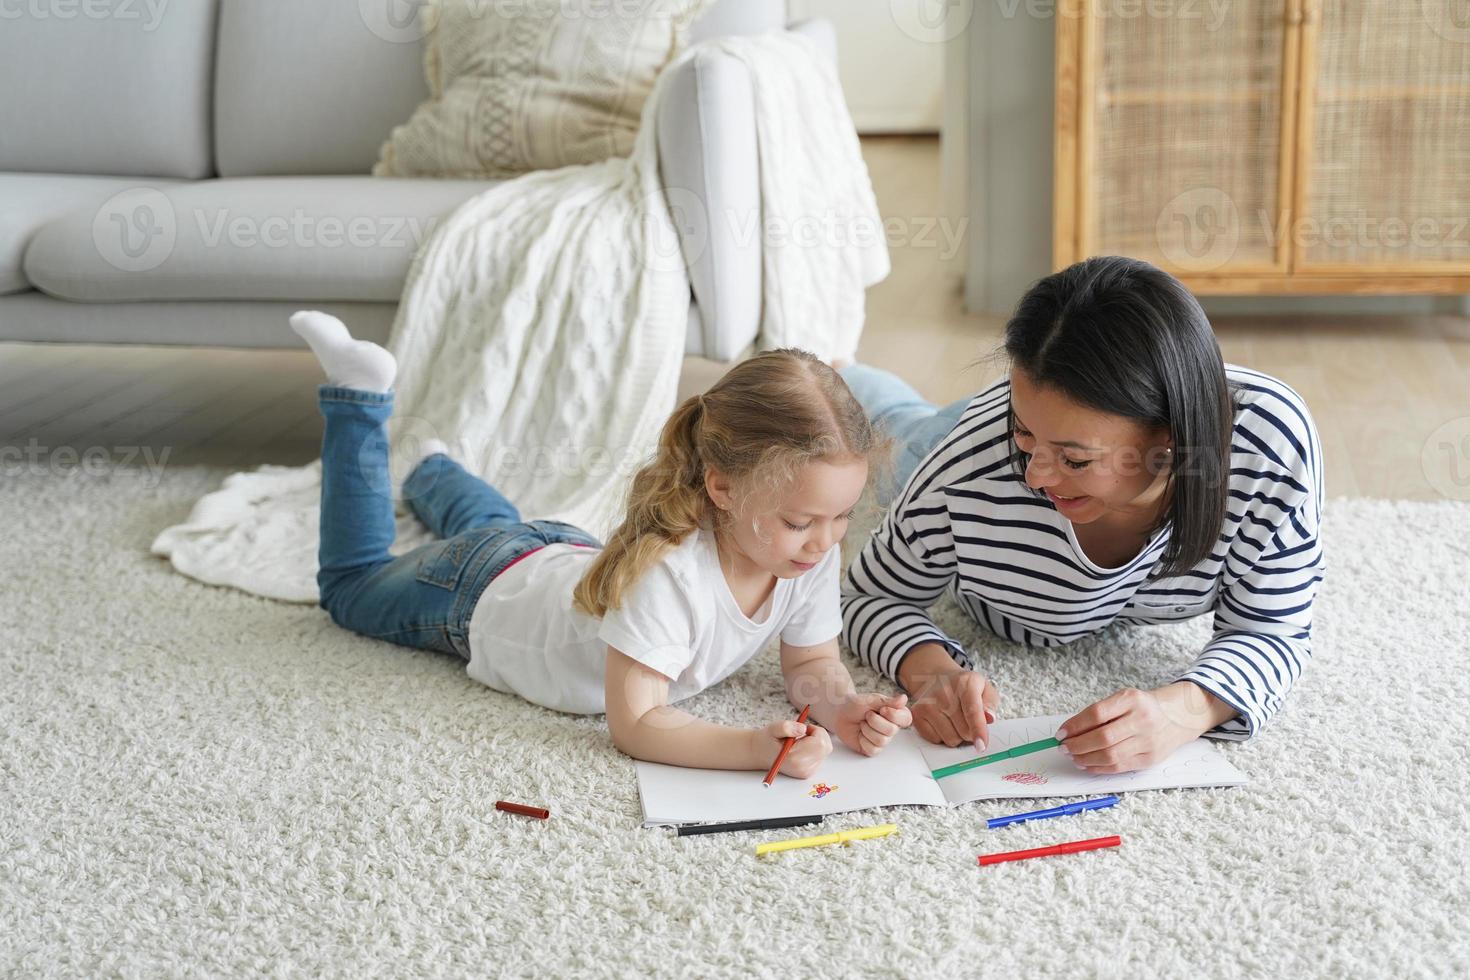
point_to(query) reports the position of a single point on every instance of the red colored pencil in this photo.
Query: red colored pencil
(790, 741)
(1071, 847)
(540, 813)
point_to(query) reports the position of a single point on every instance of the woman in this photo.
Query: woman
(1121, 473)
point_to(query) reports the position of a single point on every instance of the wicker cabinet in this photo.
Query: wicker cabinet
(1268, 146)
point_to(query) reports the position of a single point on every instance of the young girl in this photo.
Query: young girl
(730, 539)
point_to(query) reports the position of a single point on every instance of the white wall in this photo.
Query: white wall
(891, 60)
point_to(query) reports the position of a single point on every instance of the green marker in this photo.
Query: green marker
(985, 760)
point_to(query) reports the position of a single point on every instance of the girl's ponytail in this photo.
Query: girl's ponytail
(666, 502)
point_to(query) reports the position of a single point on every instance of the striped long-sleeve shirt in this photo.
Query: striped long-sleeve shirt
(967, 523)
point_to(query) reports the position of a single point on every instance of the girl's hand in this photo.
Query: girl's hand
(813, 744)
(866, 722)
(1135, 729)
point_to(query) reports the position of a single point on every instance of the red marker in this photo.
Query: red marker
(540, 813)
(1072, 847)
(785, 749)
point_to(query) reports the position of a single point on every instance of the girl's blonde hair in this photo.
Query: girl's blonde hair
(765, 419)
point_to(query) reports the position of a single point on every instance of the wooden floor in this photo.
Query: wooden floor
(1391, 395)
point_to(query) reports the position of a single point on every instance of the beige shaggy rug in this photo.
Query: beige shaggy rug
(197, 782)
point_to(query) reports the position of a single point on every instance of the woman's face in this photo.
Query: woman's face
(1090, 464)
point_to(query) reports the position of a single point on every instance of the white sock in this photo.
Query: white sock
(349, 363)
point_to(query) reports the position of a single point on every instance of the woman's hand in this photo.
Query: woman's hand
(951, 705)
(866, 722)
(813, 745)
(1135, 729)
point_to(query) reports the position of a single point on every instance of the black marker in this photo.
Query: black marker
(720, 828)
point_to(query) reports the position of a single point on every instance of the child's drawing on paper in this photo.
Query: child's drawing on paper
(1024, 778)
(820, 790)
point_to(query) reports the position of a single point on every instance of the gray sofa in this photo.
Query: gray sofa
(244, 131)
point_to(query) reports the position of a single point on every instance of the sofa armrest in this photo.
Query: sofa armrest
(707, 163)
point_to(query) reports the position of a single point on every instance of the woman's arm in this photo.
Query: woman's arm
(902, 570)
(1263, 629)
(646, 727)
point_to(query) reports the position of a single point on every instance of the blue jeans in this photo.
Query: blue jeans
(915, 425)
(425, 598)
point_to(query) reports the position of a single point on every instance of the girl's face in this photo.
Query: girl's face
(789, 539)
(1089, 464)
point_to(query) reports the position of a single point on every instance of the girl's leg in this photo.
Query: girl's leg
(421, 599)
(357, 526)
(450, 500)
(895, 407)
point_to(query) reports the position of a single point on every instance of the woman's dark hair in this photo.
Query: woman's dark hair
(1126, 338)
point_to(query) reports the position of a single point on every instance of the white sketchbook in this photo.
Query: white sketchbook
(900, 776)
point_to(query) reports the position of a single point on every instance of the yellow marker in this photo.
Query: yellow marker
(841, 837)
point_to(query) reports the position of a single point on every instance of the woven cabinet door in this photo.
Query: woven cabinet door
(1184, 145)
(1385, 161)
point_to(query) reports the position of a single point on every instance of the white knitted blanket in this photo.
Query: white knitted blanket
(542, 327)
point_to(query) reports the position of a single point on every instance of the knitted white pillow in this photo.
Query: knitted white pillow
(520, 85)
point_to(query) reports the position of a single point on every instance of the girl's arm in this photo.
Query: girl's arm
(646, 727)
(815, 675)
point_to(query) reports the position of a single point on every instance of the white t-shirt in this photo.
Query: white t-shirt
(679, 619)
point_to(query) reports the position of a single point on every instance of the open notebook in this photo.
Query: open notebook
(900, 775)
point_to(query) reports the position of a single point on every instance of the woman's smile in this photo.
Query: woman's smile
(1064, 503)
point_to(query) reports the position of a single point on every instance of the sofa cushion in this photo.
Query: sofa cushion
(316, 86)
(312, 86)
(530, 87)
(34, 317)
(29, 201)
(261, 238)
(107, 87)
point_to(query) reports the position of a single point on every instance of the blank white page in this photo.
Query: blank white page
(896, 776)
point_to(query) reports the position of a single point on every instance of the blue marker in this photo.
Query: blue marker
(1056, 811)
